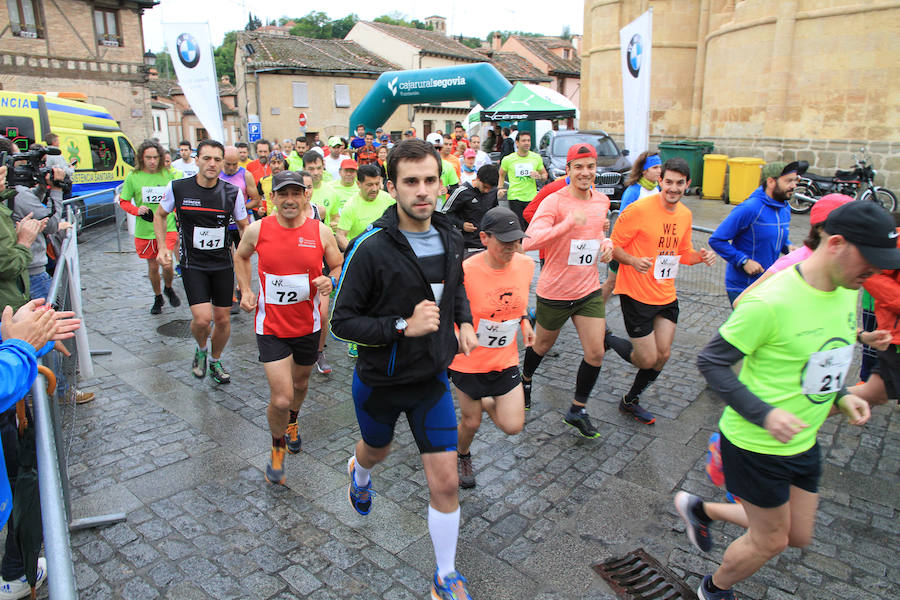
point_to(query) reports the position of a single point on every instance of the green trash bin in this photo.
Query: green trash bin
(691, 151)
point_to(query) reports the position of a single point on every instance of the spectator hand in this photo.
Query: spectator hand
(28, 229)
(37, 324)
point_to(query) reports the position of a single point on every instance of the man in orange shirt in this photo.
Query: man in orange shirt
(497, 283)
(447, 154)
(652, 238)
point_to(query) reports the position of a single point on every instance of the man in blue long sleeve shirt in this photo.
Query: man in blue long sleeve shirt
(755, 233)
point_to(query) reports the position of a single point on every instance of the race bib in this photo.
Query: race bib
(523, 170)
(666, 266)
(209, 238)
(153, 194)
(287, 289)
(493, 334)
(583, 252)
(826, 371)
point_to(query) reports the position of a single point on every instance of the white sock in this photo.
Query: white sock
(203, 349)
(360, 474)
(444, 530)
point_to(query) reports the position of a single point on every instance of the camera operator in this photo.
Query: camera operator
(35, 203)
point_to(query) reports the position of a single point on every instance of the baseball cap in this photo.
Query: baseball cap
(435, 139)
(335, 141)
(503, 224)
(778, 168)
(823, 207)
(470, 153)
(349, 163)
(870, 228)
(580, 151)
(286, 178)
(378, 130)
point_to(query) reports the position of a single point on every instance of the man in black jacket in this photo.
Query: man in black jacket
(401, 293)
(468, 203)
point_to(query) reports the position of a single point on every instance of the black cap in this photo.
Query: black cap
(503, 224)
(777, 169)
(285, 178)
(870, 228)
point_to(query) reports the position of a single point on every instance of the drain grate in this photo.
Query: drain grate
(639, 576)
(179, 328)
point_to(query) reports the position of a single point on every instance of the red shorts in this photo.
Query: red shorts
(149, 248)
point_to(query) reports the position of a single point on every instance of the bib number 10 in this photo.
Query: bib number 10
(583, 252)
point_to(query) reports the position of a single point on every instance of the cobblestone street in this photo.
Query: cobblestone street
(184, 459)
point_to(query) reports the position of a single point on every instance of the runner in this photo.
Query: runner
(186, 163)
(204, 204)
(406, 343)
(238, 176)
(276, 164)
(364, 208)
(322, 193)
(344, 189)
(651, 238)
(243, 153)
(259, 168)
(334, 158)
(524, 169)
(497, 284)
(141, 194)
(793, 373)
(288, 321)
(468, 204)
(569, 225)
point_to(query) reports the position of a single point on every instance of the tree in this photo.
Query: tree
(253, 23)
(504, 35)
(164, 64)
(398, 18)
(566, 33)
(224, 56)
(341, 27)
(315, 24)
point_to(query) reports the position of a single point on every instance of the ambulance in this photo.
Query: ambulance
(89, 137)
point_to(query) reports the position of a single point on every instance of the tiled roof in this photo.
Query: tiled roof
(429, 42)
(541, 47)
(309, 54)
(169, 87)
(514, 67)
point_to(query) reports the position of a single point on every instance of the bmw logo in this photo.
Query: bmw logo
(188, 50)
(635, 55)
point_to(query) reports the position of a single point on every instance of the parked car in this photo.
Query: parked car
(612, 163)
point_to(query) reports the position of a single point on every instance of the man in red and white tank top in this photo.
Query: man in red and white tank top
(290, 247)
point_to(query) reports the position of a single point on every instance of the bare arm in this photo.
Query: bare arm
(342, 240)
(252, 192)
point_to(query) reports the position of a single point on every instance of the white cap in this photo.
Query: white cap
(435, 139)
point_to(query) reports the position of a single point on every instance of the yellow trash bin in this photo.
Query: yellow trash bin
(743, 178)
(714, 166)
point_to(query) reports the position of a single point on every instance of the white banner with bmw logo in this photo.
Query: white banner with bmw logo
(192, 56)
(635, 41)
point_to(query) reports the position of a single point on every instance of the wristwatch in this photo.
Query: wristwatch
(400, 326)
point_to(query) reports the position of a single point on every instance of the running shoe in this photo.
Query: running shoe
(697, 531)
(526, 387)
(173, 298)
(640, 414)
(360, 496)
(322, 365)
(453, 587)
(702, 594)
(275, 468)
(19, 588)
(466, 472)
(157, 305)
(292, 438)
(218, 373)
(352, 350)
(714, 460)
(199, 366)
(582, 423)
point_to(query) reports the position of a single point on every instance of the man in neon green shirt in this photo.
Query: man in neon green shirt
(524, 169)
(343, 190)
(795, 334)
(449, 178)
(365, 208)
(323, 193)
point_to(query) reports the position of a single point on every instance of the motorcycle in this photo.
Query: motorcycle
(858, 183)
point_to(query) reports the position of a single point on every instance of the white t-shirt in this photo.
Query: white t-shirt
(333, 165)
(481, 159)
(189, 170)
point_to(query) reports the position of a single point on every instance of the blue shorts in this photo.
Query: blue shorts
(428, 406)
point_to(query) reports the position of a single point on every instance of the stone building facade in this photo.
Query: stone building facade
(778, 79)
(92, 47)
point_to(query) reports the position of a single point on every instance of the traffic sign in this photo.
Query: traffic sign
(254, 131)
(302, 119)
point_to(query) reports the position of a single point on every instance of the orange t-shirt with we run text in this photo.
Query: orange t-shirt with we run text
(647, 229)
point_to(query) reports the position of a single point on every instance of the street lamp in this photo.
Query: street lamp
(149, 59)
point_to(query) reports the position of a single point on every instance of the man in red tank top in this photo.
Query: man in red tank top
(290, 247)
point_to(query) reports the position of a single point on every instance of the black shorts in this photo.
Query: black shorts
(639, 317)
(208, 286)
(484, 385)
(305, 349)
(888, 368)
(765, 480)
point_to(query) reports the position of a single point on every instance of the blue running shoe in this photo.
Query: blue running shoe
(453, 587)
(360, 496)
(702, 594)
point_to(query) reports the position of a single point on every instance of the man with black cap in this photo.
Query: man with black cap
(570, 226)
(468, 204)
(755, 232)
(795, 334)
(497, 283)
(290, 247)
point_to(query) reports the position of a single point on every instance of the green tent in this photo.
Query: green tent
(524, 103)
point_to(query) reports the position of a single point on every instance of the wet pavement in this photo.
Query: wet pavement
(184, 459)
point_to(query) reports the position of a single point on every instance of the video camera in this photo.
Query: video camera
(32, 172)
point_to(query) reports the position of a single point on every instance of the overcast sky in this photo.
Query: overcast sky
(467, 18)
